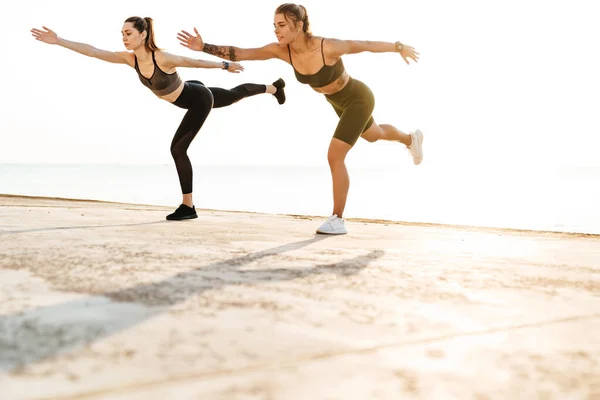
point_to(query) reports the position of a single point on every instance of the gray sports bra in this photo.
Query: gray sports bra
(160, 82)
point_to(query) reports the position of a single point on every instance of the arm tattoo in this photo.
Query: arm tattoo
(221, 51)
(214, 50)
(232, 55)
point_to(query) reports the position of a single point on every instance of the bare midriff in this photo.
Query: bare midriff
(334, 86)
(171, 97)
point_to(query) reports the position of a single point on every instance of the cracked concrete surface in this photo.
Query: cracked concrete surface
(110, 301)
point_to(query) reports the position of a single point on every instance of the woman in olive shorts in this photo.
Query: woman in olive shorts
(317, 62)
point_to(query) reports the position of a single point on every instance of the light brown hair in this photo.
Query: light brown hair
(295, 13)
(145, 24)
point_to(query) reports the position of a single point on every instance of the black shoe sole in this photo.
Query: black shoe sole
(182, 218)
(279, 85)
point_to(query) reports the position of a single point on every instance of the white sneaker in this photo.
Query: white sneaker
(416, 147)
(333, 226)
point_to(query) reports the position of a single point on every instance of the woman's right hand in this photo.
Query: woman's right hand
(46, 36)
(190, 41)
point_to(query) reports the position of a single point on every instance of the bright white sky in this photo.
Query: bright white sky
(500, 83)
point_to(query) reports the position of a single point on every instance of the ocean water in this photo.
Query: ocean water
(564, 200)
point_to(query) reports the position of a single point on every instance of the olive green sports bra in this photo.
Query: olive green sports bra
(326, 75)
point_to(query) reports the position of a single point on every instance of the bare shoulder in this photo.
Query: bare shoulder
(333, 47)
(167, 61)
(330, 43)
(162, 56)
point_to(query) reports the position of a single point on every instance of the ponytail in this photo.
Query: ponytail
(145, 24)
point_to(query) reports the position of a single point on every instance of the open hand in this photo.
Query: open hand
(409, 52)
(235, 68)
(46, 36)
(190, 41)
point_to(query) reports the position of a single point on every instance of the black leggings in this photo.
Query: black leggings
(199, 100)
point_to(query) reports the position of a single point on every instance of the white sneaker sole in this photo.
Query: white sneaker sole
(330, 233)
(419, 135)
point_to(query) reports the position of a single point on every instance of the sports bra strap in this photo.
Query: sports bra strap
(290, 54)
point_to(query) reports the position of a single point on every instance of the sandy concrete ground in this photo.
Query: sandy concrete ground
(101, 300)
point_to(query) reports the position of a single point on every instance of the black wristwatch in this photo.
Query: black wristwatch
(225, 65)
(399, 47)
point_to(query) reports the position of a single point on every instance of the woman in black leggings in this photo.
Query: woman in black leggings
(156, 70)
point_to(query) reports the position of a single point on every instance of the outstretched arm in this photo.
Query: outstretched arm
(340, 47)
(50, 37)
(195, 42)
(172, 61)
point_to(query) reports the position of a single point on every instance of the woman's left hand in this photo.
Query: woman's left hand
(409, 52)
(235, 68)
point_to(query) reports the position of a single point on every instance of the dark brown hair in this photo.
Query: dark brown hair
(296, 13)
(145, 24)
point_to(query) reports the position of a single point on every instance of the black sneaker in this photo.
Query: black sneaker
(279, 94)
(183, 212)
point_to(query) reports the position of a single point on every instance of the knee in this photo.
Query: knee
(335, 158)
(177, 152)
(371, 137)
(372, 134)
(242, 90)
